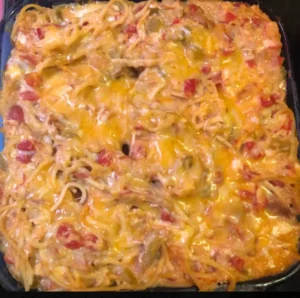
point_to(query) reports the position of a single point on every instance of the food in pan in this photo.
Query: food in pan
(147, 144)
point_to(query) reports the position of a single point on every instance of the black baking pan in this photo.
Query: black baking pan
(11, 9)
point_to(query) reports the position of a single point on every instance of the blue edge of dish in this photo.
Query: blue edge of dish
(7, 281)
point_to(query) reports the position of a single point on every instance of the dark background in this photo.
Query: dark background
(289, 13)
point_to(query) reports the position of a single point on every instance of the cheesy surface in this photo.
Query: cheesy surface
(147, 144)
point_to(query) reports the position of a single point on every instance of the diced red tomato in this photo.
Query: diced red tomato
(287, 126)
(190, 87)
(8, 260)
(251, 63)
(250, 149)
(219, 86)
(176, 21)
(193, 8)
(166, 216)
(267, 102)
(275, 47)
(9, 257)
(217, 77)
(277, 183)
(105, 158)
(64, 231)
(206, 69)
(275, 97)
(229, 17)
(139, 127)
(260, 204)
(237, 263)
(32, 59)
(245, 21)
(74, 244)
(33, 79)
(23, 157)
(280, 60)
(26, 151)
(79, 175)
(26, 146)
(246, 194)
(196, 14)
(228, 52)
(130, 30)
(89, 241)
(40, 32)
(16, 113)
(29, 95)
(68, 236)
(248, 174)
(248, 146)
(256, 21)
(274, 57)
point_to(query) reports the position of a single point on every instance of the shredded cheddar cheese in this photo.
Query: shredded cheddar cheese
(147, 144)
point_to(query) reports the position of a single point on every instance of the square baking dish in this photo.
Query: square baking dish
(12, 7)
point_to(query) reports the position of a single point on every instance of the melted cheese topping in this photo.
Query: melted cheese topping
(147, 145)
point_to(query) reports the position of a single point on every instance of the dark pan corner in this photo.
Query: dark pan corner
(6, 280)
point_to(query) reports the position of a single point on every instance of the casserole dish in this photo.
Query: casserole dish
(292, 101)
